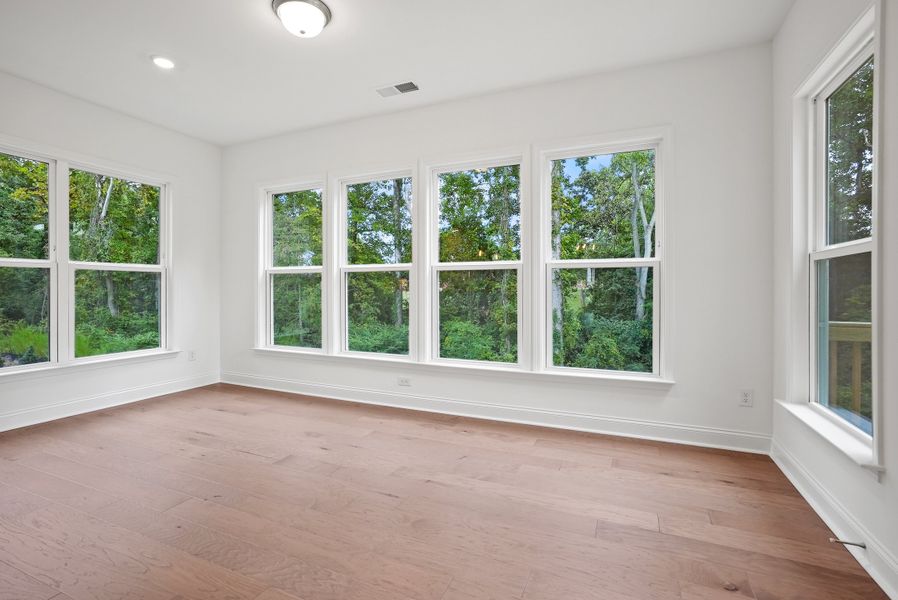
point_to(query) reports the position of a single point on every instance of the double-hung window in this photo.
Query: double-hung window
(603, 261)
(376, 269)
(294, 267)
(116, 264)
(27, 275)
(478, 268)
(842, 245)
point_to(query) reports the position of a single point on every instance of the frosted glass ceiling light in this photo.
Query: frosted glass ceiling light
(163, 63)
(302, 18)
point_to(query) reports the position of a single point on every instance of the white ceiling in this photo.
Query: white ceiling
(241, 76)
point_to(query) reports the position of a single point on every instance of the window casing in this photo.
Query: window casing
(480, 277)
(842, 246)
(102, 265)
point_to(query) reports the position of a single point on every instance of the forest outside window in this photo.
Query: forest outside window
(602, 271)
(841, 254)
(294, 268)
(91, 286)
(477, 274)
(376, 272)
(26, 294)
(114, 254)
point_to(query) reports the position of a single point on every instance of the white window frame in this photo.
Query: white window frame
(657, 140)
(532, 268)
(435, 266)
(62, 268)
(819, 250)
(344, 268)
(72, 266)
(807, 220)
(267, 270)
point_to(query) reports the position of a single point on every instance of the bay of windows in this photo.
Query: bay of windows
(459, 276)
(82, 277)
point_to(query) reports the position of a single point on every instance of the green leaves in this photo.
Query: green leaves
(296, 228)
(480, 214)
(24, 205)
(112, 220)
(379, 222)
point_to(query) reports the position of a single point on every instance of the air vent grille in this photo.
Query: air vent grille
(399, 88)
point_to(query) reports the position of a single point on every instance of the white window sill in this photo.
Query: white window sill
(853, 446)
(87, 363)
(472, 368)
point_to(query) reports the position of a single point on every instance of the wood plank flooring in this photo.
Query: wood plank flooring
(230, 493)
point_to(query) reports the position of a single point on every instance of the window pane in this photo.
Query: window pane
(849, 115)
(112, 220)
(844, 351)
(116, 311)
(24, 208)
(480, 214)
(380, 222)
(24, 316)
(378, 312)
(479, 315)
(602, 318)
(604, 206)
(296, 228)
(296, 299)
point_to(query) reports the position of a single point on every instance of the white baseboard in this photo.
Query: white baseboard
(651, 430)
(876, 558)
(77, 406)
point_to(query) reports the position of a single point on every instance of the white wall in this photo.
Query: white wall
(719, 221)
(37, 117)
(854, 504)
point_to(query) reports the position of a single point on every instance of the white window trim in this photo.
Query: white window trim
(341, 300)
(808, 218)
(265, 297)
(533, 344)
(62, 291)
(659, 140)
(434, 267)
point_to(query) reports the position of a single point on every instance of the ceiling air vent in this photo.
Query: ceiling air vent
(399, 88)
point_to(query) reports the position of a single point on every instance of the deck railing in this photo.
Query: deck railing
(857, 334)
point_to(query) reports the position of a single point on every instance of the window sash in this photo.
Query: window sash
(436, 269)
(654, 264)
(344, 310)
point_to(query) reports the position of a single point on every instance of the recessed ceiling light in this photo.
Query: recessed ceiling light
(164, 63)
(302, 18)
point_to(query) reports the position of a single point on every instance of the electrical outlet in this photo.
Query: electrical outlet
(747, 398)
(191, 355)
(404, 381)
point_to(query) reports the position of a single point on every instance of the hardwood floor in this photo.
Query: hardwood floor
(232, 493)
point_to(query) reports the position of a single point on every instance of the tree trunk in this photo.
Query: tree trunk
(299, 308)
(637, 250)
(397, 250)
(557, 299)
(110, 295)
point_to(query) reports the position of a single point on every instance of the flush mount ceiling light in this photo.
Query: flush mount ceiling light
(163, 63)
(302, 18)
